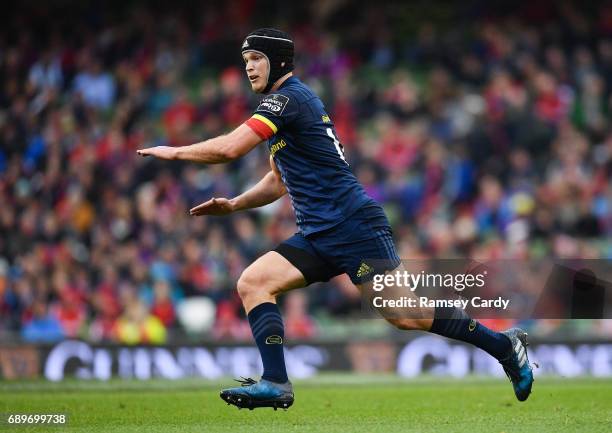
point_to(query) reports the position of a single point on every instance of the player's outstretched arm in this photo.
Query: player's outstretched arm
(223, 148)
(270, 188)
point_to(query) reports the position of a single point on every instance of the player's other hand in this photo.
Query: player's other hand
(214, 206)
(162, 152)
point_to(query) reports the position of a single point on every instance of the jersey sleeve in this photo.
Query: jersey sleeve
(274, 112)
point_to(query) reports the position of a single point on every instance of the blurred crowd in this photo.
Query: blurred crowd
(483, 134)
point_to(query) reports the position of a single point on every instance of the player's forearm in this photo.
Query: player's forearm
(267, 190)
(214, 151)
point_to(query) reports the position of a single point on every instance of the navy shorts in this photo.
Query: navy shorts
(360, 246)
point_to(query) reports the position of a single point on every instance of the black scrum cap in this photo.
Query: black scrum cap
(277, 46)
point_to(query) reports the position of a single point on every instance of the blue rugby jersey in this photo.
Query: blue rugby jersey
(303, 142)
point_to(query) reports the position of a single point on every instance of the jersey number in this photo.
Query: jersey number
(339, 146)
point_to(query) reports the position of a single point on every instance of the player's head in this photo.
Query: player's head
(268, 54)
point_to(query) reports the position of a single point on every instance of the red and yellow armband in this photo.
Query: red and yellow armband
(261, 126)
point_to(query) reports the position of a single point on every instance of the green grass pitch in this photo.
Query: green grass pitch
(331, 403)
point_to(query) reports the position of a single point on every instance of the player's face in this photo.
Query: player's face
(257, 69)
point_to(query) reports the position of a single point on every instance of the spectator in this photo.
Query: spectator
(96, 87)
(42, 327)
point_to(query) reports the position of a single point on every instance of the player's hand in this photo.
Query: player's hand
(162, 152)
(214, 206)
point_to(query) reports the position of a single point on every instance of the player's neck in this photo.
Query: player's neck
(280, 81)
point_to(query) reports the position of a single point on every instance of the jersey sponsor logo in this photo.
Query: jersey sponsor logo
(274, 339)
(325, 118)
(274, 104)
(277, 146)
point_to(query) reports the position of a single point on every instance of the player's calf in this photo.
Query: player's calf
(406, 324)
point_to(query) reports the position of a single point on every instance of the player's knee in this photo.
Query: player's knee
(245, 285)
(249, 284)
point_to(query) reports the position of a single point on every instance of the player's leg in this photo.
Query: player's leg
(292, 265)
(449, 322)
(258, 286)
(508, 347)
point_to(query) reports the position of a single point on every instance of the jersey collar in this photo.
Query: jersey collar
(291, 79)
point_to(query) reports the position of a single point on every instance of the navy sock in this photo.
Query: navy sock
(269, 332)
(455, 323)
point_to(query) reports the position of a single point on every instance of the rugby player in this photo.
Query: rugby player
(339, 225)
